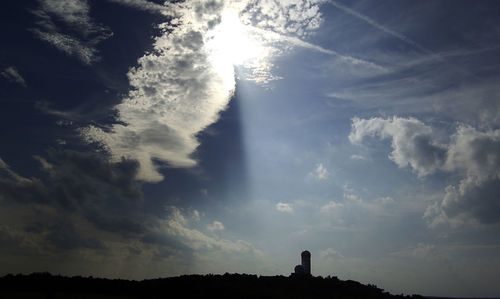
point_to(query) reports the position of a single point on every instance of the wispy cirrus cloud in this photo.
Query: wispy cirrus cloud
(52, 16)
(12, 74)
(145, 5)
(377, 25)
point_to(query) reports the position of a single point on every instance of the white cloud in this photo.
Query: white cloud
(471, 154)
(413, 142)
(69, 45)
(330, 254)
(177, 226)
(357, 157)
(476, 156)
(196, 215)
(75, 15)
(178, 91)
(386, 200)
(12, 74)
(284, 207)
(216, 225)
(294, 17)
(320, 172)
(331, 207)
(352, 198)
(180, 87)
(420, 251)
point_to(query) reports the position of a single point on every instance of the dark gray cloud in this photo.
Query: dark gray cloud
(125, 226)
(472, 197)
(85, 200)
(63, 235)
(80, 184)
(78, 178)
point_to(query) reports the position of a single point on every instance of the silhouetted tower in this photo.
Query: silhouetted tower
(306, 261)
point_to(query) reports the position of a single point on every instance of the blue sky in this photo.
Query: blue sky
(147, 138)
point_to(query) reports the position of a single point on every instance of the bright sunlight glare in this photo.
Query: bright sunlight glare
(235, 43)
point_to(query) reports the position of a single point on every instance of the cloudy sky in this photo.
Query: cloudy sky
(147, 138)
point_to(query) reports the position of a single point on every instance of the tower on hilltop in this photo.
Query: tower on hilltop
(306, 261)
(304, 269)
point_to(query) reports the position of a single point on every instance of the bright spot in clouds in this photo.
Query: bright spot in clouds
(320, 172)
(284, 207)
(181, 87)
(233, 41)
(216, 225)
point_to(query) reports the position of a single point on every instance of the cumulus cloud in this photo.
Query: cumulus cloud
(330, 254)
(177, 93)
(284, 207)
(215, 226)
(320, 172)
(473, 155)
(331, 207)
(357, 157)
(413, 143)
(180, 87)
(53, 16)
(12, 74)
(296, 17)
(176, 229)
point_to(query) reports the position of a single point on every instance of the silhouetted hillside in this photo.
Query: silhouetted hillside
(45, 285)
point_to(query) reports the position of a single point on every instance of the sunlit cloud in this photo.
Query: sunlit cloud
(320, 172)
(181, 87)
(215, 226)
(284, 207)
(471, 154)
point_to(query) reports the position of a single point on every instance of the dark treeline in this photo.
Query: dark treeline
(45, 285)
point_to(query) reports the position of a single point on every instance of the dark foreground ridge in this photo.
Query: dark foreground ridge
(45, 285)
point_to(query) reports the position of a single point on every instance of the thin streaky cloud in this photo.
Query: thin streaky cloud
(401, 37)
(12, 74)
(152, 7)
(301, 43)
(18, 178)
(380, 27)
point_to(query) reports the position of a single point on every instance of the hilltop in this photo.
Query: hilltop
(45, 285)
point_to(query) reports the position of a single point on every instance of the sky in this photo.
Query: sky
(144, 139)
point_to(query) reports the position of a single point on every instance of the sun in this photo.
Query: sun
(234, 42)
